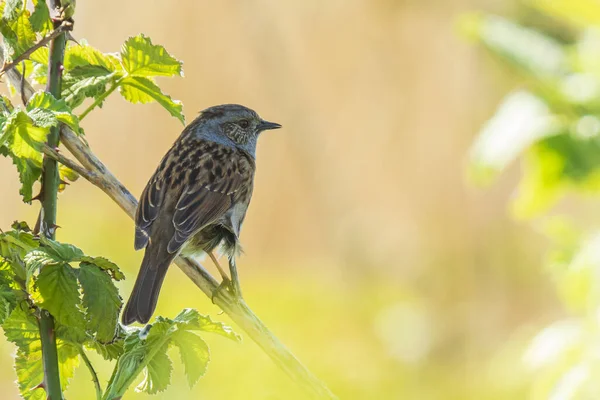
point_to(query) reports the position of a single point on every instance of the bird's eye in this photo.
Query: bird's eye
(244, 123)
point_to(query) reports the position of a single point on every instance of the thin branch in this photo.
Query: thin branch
(22, 87)
(95, 379)
(67, 162)
(238, 311)
(65, 26)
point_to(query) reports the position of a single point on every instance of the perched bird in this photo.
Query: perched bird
(196, 200)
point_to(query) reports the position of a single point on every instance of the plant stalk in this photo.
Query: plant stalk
(50, 183)
(50, 356)
(90, 367)
(100, 99)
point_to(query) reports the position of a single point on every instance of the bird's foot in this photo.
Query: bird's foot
(222, 286)
(233, 287)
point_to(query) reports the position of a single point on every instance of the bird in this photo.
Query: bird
(196, 201)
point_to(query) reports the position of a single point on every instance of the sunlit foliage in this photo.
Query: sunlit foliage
(552, 125)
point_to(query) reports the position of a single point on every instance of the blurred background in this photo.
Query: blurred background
(369, 249)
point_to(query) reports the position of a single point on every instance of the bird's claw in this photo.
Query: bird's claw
(230, 286)
(223, 285)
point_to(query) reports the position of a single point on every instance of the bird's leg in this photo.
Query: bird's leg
(216, 262)
(232, 284)
(226, 282)
(235, 280)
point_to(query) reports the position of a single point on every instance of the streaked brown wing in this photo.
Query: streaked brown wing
(193, 187)
(210, 195)
(148, 209)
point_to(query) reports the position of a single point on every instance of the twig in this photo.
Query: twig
(100, 99)
(95, 379)
(88, 175)
(65, 26)
(21, 88)
(239, 312)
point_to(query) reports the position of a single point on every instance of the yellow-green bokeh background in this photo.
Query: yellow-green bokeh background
(367, 251)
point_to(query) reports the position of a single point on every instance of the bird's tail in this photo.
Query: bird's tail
(143, 299)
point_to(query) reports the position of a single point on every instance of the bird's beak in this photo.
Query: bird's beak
(265, 125)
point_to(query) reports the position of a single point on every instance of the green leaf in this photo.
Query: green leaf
(22, 329)
(208, 325)
(88, 81)
(23, 137)
(68, 361)
(36, 259)
(143, 90)
(41, 55)
(20, 227)
(110, 351)
(66, 175)
(147, 350)
(83, 55)
(142, 58)
(128, 366)
(5, 308)
(5, 103)
(29, 172)
(195, 355)
(9, 38)
(30, 370)
(520, 121)
(59, 294)
(7, 298)
(579, 281)
(12, 9)
(19, 240)
(42, 104)
(553, 167)
(57, 284)
(101, 300)
(40, 18)
(105, 265)
(62, 251)
(39, 75)
(43, 118)
(193, 320)
(14, 245)
(30, 373)
(525, 48)
(582, 13)
(25, 36)
(157, 374)
(28, 140)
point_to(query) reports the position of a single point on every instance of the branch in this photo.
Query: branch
(238, 311)
(16, 79)
(55, 155)
(65, 26)
(51, 383)
(49, 192)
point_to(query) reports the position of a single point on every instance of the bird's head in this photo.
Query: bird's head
(233, 125)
